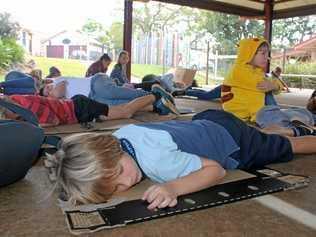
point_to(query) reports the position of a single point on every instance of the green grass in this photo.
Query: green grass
(76, 68)
(67, 67)
(140, 70)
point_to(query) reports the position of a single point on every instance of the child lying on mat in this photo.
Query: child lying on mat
(181, 156)
(52, 111)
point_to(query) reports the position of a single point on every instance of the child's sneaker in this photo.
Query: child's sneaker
(164, 107)
(178, 93)
(303, 129)
(158, 90)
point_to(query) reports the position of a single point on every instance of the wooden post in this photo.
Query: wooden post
(216, 65)
(283, 60)
(207, 61)
(127, 37)
(268, 12)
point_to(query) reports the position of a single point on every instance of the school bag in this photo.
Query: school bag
(20, 144)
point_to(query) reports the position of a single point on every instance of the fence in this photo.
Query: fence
(305, 81)
(172, 49)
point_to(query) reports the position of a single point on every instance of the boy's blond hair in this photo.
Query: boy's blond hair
(85, 166)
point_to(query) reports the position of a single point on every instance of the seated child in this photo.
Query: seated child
(53, 112)
(244, 89)
(53, 72)
(118, 73)
(99, 66)
(181, 156)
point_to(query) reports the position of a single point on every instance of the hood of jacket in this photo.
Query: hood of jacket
(247, 49)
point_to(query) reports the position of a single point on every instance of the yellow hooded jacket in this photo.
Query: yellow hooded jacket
(239, 93)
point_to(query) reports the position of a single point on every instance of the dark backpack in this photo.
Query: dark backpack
(20, 144)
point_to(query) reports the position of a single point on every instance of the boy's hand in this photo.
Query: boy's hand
(160, 195)
(266, 86)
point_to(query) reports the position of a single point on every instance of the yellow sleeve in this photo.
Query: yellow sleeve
(279, 86)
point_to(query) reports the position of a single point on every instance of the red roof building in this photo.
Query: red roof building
(305, 50)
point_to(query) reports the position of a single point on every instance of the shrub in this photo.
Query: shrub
(301, 68)
(10, 53)
(307, 68)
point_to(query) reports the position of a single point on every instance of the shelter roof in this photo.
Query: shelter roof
(252, 8)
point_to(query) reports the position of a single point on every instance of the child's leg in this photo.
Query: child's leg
(275, 129)
(127, 110)
(205, 95)
(166, 82)
(146, 86)
(105, 91)
(303, 145)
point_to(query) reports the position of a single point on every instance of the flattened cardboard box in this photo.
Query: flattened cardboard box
(184, 75)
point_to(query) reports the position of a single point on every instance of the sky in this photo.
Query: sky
(53, 16)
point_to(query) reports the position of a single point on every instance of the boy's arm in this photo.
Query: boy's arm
(270, 85)
(278, 86)
(163, 195)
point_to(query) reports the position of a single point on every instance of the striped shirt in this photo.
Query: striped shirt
(48, 110)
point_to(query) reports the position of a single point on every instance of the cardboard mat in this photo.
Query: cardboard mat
(119, 212)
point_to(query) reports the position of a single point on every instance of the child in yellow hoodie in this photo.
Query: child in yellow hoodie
(244, 89)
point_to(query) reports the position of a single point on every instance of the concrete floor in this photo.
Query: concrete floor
(24, 211)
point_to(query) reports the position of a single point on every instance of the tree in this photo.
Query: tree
(8, 28)
(96, 30)
(290, 31)
(229, 29)
(116, 35)
(109, 38)
(92, 27)
(149, 17)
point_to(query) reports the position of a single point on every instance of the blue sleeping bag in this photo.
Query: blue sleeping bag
(18, 83)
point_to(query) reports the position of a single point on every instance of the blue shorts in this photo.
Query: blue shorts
(257, 149)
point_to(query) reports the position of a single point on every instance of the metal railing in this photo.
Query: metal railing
(304, 81)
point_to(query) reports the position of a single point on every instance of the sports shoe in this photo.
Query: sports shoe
(178, 93)
(303, 128)
(158, 90)
(164, 107)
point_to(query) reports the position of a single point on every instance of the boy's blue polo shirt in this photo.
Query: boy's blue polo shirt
(169, 150)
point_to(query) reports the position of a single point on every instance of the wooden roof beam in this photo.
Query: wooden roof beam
(216, 6)
(295, 11)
